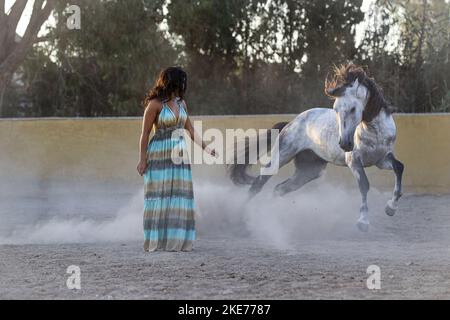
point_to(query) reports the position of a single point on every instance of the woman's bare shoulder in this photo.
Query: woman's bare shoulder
(154, 105)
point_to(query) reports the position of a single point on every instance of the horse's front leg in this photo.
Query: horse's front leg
(391, 163)
(354, 163)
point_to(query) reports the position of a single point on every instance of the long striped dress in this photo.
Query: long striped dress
(169, 200)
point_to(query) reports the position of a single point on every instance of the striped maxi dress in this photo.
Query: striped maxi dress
(169, 200)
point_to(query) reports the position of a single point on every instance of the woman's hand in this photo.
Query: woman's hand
(141, 167)
(211, 151)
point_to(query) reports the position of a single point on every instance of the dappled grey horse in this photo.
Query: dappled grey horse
(358, 132)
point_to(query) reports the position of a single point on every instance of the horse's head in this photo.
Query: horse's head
(357, 99)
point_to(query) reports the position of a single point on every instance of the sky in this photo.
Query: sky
(25, 19)
(359, 32)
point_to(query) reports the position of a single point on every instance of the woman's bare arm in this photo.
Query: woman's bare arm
(193, 134)
(195, 137)
(147, 124)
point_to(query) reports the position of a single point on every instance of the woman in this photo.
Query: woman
(169, 199)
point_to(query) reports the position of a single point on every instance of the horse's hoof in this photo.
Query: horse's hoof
(277, 192)
(251, 195)
(390, 209)
(363, 226)
(253, 191)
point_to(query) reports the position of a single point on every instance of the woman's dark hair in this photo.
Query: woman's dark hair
(172, 80)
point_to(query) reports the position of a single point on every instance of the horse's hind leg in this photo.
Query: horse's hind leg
(258, 184)
(280, 157)
(391, 163)
(308, 167)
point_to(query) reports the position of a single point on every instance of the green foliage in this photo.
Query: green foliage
(245, 55)
(103, 69)
(242, 56)
(415, 71)
(444, 104)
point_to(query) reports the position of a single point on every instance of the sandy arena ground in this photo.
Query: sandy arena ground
(305, 246)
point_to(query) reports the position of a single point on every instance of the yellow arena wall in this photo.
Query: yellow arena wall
(77, 150)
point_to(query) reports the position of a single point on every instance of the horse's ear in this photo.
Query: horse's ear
(336, 92)
(355, 84)
(360, 91)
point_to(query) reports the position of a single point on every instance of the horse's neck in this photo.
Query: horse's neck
(381, 124)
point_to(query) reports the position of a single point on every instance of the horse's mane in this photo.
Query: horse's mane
(344, 76)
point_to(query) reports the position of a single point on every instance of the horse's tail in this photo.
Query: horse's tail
(238, 172)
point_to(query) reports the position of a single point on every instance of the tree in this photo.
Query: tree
(415, 69)
(105, 68)
(242, 56)
(209, 31)
(258, 56)
(13, 52)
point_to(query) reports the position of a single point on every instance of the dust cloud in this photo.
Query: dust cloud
(68, 214)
